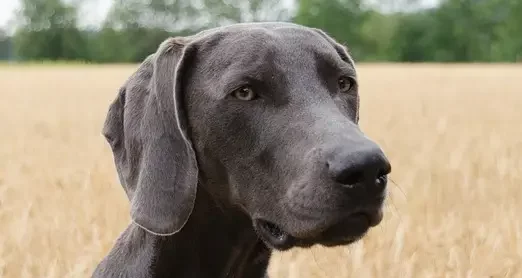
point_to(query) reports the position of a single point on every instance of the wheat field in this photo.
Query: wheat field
(453, 134)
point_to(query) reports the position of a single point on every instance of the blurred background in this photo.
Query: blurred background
(107, 31)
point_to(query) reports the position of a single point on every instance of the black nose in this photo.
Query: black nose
(359, 165)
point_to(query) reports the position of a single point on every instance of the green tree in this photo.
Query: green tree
(483, 30)
(134, 28)
(219, 12)
(373, 30)
(507, 27)
(48, 30)
(413, 37)
(4, 45)
(453, 31)
(377, 34)
(342, 19)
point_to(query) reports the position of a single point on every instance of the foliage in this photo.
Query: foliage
(337, 18)
(453, 31)
(5, 45)
(49, 31)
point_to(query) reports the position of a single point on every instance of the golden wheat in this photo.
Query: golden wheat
(452, 133)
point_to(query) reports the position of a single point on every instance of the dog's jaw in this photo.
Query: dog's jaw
(348, 230)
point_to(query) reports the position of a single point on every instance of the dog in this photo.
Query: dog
(237, 141)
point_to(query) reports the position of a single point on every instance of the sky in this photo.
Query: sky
(7, 7)
(92, 12)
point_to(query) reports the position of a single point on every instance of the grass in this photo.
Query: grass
(452, 133)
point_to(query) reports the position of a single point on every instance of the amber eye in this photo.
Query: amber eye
(345, 84)
(244, 93)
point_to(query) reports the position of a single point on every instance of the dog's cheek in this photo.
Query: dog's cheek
(348, 105)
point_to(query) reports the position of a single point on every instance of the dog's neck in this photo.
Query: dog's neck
(216, 242)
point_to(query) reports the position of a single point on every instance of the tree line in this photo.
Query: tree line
(452, 31)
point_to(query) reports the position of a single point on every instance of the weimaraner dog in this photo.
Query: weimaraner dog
(237, 141)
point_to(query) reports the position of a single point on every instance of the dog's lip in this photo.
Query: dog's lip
(273, 235)
(374, 217)
(348, 230)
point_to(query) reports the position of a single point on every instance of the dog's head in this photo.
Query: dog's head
(264, 116)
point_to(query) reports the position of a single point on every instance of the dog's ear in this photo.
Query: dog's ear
(345, 55)
(147, 130)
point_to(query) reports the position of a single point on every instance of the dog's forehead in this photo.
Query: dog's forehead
(257, 42)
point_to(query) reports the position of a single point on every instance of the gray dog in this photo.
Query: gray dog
(237, 141)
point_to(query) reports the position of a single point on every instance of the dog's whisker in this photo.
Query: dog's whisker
(389, 203)
(391, 206)
(395, 207)
(400, 189)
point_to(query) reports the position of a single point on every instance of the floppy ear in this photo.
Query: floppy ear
(147, 131)
(345, 55)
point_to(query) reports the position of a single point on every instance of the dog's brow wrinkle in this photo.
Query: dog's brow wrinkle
(344, 57)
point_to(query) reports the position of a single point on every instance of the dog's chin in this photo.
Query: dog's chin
(344, 232)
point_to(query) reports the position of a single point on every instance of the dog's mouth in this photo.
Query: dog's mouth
(273, 235)
(348, 230)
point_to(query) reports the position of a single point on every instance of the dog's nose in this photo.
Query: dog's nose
(365, 165)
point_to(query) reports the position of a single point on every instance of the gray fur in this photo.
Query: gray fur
(205, 172)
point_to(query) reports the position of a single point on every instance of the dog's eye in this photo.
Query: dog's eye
(345, 84)
(244, 93)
